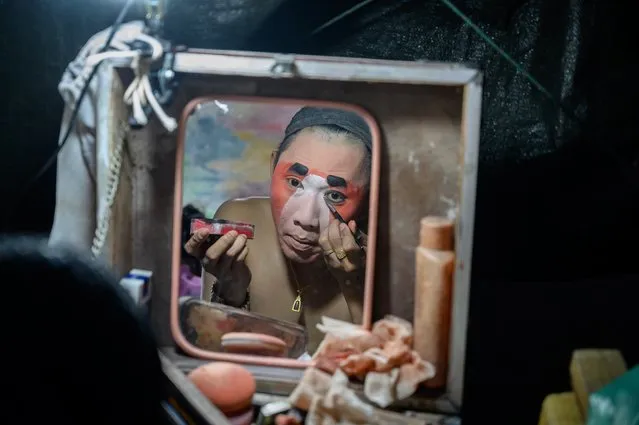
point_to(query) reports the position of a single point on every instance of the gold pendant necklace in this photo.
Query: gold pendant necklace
(297, 304)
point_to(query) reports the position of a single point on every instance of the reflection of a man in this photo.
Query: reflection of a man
(324, 158)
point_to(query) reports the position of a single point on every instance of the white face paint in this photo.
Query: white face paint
(298, 195)
(306, 209)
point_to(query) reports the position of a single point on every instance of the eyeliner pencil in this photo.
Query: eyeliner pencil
(358, 235)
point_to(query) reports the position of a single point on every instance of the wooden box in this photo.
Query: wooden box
(429, 117)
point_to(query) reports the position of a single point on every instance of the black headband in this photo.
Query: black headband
(351, 122)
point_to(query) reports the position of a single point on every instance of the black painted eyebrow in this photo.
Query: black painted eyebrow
(299, 169)
(335, 181)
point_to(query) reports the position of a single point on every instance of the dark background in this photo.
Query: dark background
(554, 264)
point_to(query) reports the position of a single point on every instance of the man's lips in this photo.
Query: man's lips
(301, 244)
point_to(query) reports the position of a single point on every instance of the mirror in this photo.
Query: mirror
(279, 210)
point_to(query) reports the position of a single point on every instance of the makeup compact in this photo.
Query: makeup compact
(218, 228)
(254, 344)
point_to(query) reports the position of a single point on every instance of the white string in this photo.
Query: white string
(139, 93)
(93, 60)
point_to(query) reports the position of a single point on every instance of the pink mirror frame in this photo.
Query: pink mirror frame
(178, 336)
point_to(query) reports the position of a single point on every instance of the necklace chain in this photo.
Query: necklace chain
(297, 282)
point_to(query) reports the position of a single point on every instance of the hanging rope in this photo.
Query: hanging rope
(139, 94)
(113, 182)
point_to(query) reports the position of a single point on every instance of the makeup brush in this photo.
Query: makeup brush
(358, 234)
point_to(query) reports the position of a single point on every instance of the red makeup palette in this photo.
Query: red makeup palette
(219, 227)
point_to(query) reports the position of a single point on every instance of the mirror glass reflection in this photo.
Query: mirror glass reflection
(274, 225)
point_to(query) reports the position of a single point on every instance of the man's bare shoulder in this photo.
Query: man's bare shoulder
(247, 209)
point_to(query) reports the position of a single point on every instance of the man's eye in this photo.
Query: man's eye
(293, 182)
(335, 197)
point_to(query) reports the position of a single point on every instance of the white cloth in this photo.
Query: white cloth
(76, 207)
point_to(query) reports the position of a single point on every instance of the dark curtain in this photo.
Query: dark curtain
(557, 191)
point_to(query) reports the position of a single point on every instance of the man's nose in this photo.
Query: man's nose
(307, 216)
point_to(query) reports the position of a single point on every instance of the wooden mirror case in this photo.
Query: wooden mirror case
(428, 115)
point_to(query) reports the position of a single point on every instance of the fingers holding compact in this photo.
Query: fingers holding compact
(196, 245)
(235, 255)
(222, 254)
(220, 257)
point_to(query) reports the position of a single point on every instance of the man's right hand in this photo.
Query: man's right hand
(225, 261)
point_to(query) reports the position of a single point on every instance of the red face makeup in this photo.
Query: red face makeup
(295, 183)
(303, 181)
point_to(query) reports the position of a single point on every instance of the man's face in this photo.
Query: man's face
(313, 171)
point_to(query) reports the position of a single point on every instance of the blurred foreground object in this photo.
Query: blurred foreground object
(230, 387)
(560, 409)
(80, 350)
(617, 403)
(591, 370)
(598, 375)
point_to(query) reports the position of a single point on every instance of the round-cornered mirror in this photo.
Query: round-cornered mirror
(275, 226)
